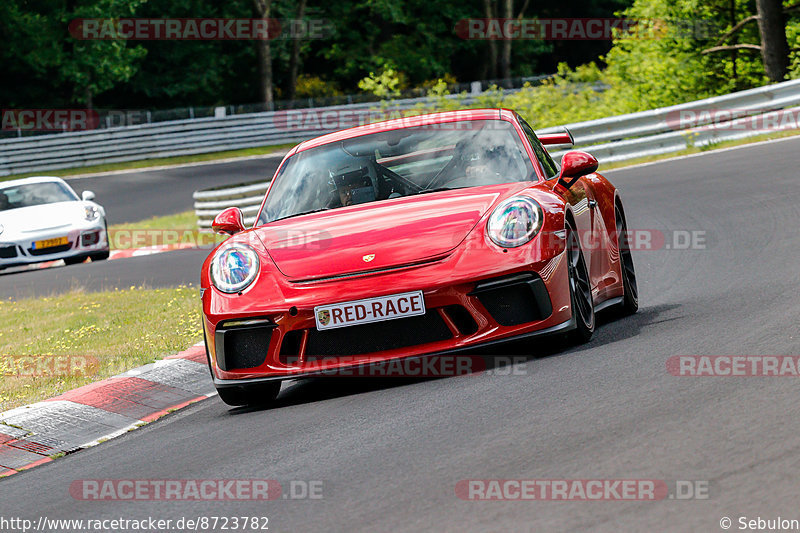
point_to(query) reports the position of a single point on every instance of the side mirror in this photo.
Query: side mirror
(574, 165)
(229, 221)
(87, 196)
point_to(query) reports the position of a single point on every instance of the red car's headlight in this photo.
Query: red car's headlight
(234, 268)
(515, 221)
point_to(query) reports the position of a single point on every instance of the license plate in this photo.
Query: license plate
(369, 310)
(50, 243)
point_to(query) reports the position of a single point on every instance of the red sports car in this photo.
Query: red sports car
(409, 238)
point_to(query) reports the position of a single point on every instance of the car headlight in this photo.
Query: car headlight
(234, 268)
(91, 212)
(515, 221)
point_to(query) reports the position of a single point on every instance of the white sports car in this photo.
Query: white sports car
(42, 219)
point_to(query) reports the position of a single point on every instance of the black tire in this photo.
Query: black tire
(580, 289)
(74, 260)
(100, 256)
(630, 298)
(261, 395)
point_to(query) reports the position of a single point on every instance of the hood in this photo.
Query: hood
(380, 235)
(25, 220)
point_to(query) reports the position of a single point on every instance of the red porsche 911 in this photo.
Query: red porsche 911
(409, 238)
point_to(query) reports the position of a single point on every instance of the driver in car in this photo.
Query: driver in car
(354, 188)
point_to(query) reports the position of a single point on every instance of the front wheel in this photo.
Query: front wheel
(580, 289)
(262, 394)
(100, 256)
(630, 298)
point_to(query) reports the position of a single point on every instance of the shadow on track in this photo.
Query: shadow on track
(311, 390)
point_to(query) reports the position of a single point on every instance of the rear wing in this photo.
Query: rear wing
(562, 137)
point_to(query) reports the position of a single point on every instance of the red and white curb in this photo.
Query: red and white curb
(149, 250)
(114, 254)
(97, 412)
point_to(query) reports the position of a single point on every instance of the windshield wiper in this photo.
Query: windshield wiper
(439, 189)
(303, 213)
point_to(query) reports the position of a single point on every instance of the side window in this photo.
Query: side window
(549, 166)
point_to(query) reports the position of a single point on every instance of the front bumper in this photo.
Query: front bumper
(492, 304)
(85, 240)
(356, 368)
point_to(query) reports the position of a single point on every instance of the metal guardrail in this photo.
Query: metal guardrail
(189, 137)
(247, 197)
(610, 139)
(660, 131)
(653, 132)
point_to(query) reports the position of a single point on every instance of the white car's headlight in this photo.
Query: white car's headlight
(234, 268)
(91, 212)
(515, 221)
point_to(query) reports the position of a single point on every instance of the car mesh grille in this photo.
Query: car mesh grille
(8, 252)
(51, 250)
(515, 300)
(245, 347)
(378, 336)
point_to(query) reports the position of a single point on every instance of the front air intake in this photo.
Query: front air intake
(242, 347)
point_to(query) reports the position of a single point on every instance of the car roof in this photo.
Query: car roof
(405, 122)
(33, 179)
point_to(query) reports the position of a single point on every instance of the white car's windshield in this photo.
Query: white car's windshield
(34, 194)
(398, 163)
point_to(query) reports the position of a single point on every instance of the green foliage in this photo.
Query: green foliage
(660, 63)
(314, 86)
(793, 36)
(387, 84)
(37, 43)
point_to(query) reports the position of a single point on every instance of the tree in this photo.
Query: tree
(774, 48)
(39, 40)
(295, 58)
(264, 53)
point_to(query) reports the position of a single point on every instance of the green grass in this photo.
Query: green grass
(143, 164)
(185, 220)
(121, 329)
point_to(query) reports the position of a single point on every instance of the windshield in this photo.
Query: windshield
(398, 163)
(34, 194)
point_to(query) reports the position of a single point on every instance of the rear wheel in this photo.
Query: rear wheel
(580, 289)
(630, 299)
(100, 256)
(260, 395)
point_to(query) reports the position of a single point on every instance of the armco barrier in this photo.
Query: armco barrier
(654, 132)
(610, 139)
(180, 137)
(246, 197)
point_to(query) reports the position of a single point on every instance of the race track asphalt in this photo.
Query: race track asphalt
(137, 195)
(169, 269)
(389, 455)
(130, 197)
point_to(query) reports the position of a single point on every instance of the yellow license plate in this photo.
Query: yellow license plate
(50, 243)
